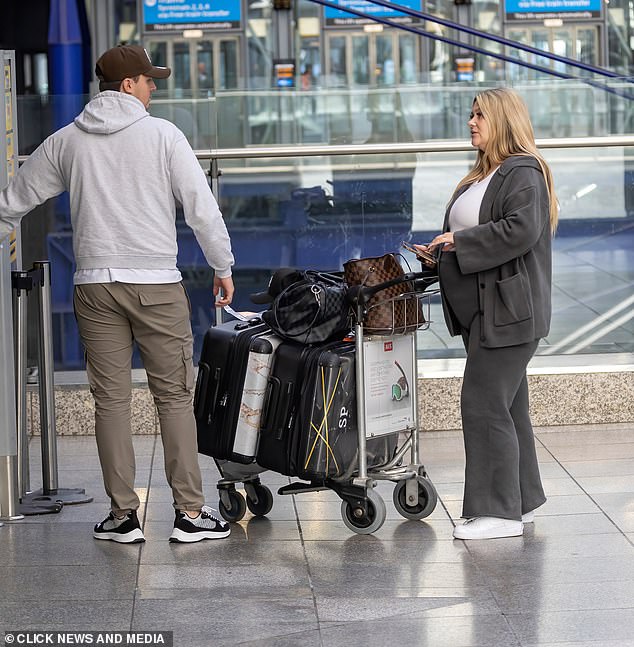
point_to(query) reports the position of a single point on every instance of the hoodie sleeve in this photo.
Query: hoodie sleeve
(200, 208)
(37, 180)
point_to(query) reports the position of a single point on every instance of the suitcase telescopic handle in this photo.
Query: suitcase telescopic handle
(268, 411)
(285, 406)
(201, 388)
(213, 401)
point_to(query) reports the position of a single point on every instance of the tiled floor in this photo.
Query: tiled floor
(301, 578)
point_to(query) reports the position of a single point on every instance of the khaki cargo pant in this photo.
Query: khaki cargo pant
(110, 317)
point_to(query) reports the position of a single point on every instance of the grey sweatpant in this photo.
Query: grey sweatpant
(501, 473)
(110, 317)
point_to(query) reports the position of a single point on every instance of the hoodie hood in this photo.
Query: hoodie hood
(109, 112)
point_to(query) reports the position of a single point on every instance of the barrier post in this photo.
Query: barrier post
(30, 504)
(48, 428)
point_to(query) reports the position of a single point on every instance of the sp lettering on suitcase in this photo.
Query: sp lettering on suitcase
(309, 425)
(329, 446)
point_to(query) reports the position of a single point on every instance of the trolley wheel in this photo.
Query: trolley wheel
(358, 521)
(264, 502)
(427, 499)
(236, 510)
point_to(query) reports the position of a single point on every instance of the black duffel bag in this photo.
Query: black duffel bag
(306, 306)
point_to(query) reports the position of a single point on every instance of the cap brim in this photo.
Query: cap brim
(261, 297)
(158, 72)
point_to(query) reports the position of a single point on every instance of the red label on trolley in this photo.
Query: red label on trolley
(388, 346)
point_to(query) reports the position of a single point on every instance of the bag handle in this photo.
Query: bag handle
(315, 290)
(360, 294)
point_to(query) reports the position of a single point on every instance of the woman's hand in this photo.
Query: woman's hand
(423, 257)
(445, 240)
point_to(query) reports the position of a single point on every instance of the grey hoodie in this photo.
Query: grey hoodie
(125, 172)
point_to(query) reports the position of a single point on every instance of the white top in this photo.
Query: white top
(115, 275)
(465, 211)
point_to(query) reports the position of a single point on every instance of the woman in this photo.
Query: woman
(495, 280)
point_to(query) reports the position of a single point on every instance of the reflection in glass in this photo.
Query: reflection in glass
(205, 65)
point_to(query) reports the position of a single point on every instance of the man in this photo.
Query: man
(125, 172)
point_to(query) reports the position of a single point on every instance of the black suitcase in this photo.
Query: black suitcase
(235, 356)
(309, 421)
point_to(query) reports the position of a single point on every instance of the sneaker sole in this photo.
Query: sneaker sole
(490, 535)
(181, 537)
(134, 537)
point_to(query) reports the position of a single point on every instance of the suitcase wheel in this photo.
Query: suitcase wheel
(364, 521)
(232, 505)
(259, 499)
(418, 507)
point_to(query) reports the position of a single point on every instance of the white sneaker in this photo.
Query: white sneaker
(488, 528)
(529, 517)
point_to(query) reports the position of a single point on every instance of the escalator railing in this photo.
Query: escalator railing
(586, 67)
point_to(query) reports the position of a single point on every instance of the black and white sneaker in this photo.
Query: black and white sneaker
(124, 531)
(205, 526)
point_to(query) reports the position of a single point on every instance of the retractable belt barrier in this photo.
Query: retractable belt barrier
(50, 498)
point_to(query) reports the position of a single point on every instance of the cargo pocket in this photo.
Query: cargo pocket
(156, 295)
(188, 364)
(511, 302)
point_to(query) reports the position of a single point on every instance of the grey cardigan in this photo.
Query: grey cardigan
(510, 251)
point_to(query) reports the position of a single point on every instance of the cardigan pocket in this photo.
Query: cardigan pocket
(512, 303)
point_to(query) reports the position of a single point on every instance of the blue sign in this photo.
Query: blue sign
(540, 9)
(340, 17)
(177, 15)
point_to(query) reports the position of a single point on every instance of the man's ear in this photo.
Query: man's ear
(126, 86)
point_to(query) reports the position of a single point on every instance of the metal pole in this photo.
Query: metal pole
(30, 504)
(8, 434)
(21, 283)
(47, 395)
(46, 382)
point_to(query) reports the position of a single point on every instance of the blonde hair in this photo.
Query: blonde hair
(510, 134)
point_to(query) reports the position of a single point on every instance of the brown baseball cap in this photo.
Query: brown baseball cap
(127, 61)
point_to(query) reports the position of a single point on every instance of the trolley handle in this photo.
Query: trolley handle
(359, 295)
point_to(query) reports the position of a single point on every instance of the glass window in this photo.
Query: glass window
(337, 60)
(360, 60)
(228, 64)
(407, 58)
(205, 65)
(384, 70)
(181, 71)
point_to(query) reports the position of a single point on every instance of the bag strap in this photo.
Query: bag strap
(315, 289)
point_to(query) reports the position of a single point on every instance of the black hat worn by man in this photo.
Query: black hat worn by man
(124, 62)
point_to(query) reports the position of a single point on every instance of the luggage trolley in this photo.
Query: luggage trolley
(363, 510)
(414, 494)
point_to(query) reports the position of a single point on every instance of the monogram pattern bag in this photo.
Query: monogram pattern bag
(311, 310)
(386, 313)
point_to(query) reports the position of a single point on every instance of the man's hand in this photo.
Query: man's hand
(223, 290)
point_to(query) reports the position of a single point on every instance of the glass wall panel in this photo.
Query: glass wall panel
(319, 211)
